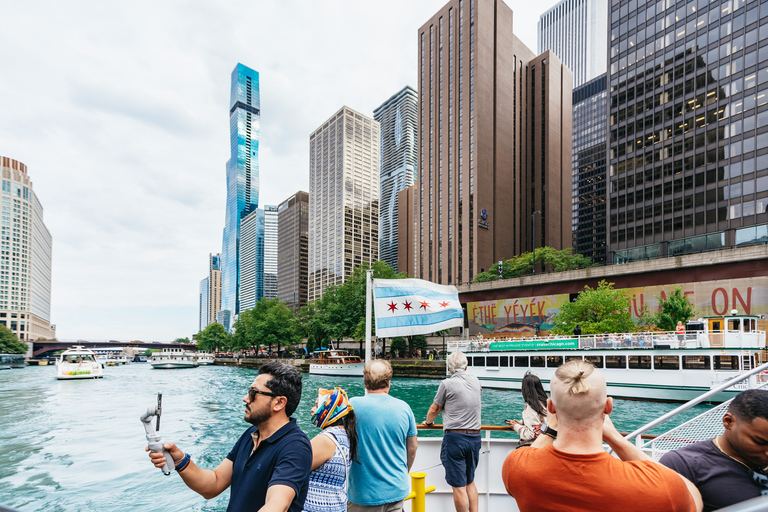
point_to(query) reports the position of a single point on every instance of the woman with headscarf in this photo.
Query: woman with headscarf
(535, 411)
(333, 451)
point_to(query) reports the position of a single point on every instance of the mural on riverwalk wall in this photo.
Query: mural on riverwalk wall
(523, 315)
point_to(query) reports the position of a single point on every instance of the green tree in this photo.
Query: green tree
(599, 310)
(269, 323)
(398, 346)
(214, 338)
(9, 343)
(556, 260)
(676, 308)
(182, 340)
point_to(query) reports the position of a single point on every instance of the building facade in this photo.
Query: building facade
(242, 177)
(25, 262)
(344, 209)
(205, 305)
(494, 144)
(590, 108)
(577, 31)
(251, 259)
(210, 292)
(293, 250)
(270, 252)
(397, 120)
(688, 151)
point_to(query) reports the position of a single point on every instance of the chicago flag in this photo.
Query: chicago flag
(405, 307)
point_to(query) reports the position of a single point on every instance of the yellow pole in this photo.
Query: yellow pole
(418, 492)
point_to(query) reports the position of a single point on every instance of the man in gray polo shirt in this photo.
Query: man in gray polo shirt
(459, 400)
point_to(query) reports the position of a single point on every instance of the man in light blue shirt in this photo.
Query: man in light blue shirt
(386, 445)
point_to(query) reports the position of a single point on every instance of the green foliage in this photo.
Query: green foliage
(182, 340)
(398, 347)
(556, 260)
(675, 308)
(9, 343)
(310, 343)
(269, 323)
(214, 338)
(596, 311)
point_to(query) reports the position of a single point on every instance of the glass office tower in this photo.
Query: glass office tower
(688, 151)
(251, 259)
(242, 178)
(270, 252)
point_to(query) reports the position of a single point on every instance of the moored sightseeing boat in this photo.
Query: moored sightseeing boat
(8, 361)
(204, 358)
(335, 362)
(662, 366)
(171, 358)
(78, 363)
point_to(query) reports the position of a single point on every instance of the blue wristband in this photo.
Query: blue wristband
(183, 463)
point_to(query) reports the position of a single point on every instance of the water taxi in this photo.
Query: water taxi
(663, 366)
(111, 356)
(8, 361)
(78, 363)
(204, 358)
(171, 358)
(335, 362)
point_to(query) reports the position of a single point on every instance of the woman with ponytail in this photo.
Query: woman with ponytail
(535, 412)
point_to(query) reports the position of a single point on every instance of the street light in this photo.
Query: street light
(533, 238)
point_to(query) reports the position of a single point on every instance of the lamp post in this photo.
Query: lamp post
(533, 239)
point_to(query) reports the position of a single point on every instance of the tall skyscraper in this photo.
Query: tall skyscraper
(688, 152)
(293, 250)
(590, 108)
(251, 259)
(494, 144)
(270, 252)
(242, 178)
(210, 292)
(25, 263)
(397, 117)
(577, 32)
(344, 187)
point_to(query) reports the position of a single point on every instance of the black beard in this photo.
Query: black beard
(256, 419)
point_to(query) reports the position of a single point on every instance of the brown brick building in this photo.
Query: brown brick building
(494, 147)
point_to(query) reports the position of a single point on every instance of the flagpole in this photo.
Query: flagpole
(368, 301)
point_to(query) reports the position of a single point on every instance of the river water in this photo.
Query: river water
(79, 445)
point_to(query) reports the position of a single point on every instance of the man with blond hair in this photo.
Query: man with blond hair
(459, 400)
(566, 468)
(386, 445)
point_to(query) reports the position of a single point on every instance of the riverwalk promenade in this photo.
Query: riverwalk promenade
(411, 368)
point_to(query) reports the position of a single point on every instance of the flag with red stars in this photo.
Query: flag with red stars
(406, 307)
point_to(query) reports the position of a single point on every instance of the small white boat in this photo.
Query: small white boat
(78, 363)
(335, 362)
(204, 358)
(111, 356)
(8, 361)
(171, 358)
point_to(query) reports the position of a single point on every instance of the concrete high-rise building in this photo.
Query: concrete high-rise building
(293, 250)
(251, 259)
(688, 124)
(210, 292)
(590, 108)
(344, 209)
(397, 118)
(242, 178)
(270, 252)
(494, 144)
(25, 263)
(577, 32)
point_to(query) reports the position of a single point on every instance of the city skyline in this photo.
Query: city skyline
(125, 124)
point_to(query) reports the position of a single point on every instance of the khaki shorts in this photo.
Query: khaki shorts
(398, 506)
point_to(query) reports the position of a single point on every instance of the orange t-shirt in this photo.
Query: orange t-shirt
(547, 479)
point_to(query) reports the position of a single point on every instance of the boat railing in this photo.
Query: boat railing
(704, 426)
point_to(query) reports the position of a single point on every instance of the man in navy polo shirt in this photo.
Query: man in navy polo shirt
(268, 468)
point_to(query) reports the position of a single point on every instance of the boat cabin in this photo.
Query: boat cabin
(334, 357)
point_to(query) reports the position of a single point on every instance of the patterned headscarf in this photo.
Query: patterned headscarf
(332, 406)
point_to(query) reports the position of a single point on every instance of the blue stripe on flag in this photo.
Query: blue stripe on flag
(386, 292)
(428, 319)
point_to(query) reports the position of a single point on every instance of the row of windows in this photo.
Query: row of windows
(660, 362)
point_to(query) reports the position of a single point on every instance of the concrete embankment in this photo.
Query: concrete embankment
(411, 368)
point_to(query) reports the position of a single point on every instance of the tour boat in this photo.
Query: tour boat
(335, 362)
(111, 356)
(78, 363)
(8, 361)
(171, 358)
(662, 366)
(204, 358)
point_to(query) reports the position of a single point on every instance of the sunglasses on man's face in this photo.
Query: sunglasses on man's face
(761, 479)
(253, 392)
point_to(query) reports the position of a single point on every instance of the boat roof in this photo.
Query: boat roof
(78, 349)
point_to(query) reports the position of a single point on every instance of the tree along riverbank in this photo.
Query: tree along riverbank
(411, 368)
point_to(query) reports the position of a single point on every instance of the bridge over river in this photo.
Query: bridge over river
(47, 348)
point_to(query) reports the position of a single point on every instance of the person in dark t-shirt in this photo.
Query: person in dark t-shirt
(270, 463)
(731, 467)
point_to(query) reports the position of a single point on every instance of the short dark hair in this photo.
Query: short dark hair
(286, 381)
(750, 404)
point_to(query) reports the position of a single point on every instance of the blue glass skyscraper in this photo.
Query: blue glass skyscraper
(242, 178)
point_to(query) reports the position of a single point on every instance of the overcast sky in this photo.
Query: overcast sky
(120, 112)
